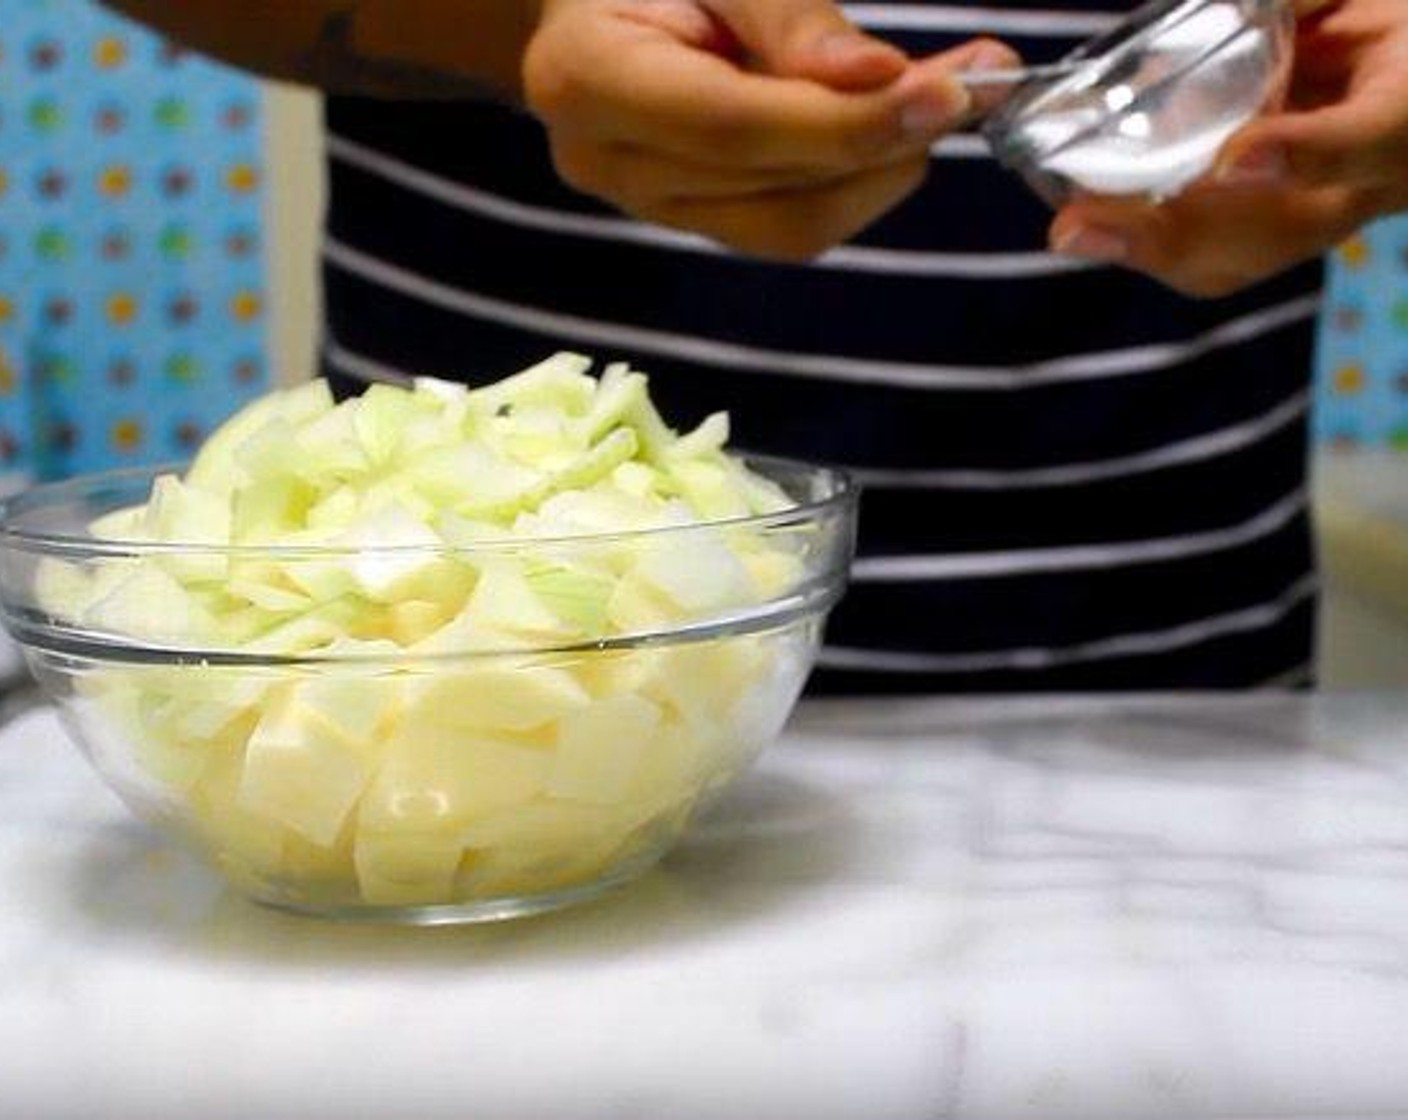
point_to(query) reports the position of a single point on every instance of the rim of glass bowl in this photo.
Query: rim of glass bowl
(839, 500)
(1001, 128)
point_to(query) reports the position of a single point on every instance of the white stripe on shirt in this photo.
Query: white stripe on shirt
(846, 258)
(965, 20)
(985, 565)
(826, 367)
(1197, 449)
(962, 145)
(361, 368)
(1146, 643)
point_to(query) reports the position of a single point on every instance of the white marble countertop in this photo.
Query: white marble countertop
(1184, 907)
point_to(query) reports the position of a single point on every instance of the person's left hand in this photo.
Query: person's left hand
(1289, 185)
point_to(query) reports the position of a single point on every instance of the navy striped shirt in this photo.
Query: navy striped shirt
(1074, 478)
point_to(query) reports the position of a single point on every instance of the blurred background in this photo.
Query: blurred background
(158, 241)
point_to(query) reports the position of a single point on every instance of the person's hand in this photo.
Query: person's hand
(773, 126)
(1291, 184)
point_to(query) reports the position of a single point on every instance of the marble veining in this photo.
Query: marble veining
(1182, 906)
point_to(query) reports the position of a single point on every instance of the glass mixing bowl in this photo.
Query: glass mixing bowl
(1143, 109)
(436, 776)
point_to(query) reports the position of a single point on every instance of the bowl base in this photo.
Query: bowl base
(468, 912)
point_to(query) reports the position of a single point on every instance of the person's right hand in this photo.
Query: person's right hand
(773, 126)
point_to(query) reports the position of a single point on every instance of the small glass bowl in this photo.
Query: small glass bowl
(445, 777)
(1144, 109)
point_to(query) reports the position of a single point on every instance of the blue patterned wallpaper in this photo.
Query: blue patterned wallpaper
(1362, 368)
(132, 305)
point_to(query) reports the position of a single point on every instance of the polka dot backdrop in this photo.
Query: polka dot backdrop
(1362, 375)
(132, 289)
(1363, 352)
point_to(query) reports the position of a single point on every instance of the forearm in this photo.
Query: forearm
(377, 48)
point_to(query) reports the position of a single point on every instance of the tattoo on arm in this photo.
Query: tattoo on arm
(335, 64)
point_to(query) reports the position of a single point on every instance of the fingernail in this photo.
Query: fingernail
(1093, 244)
(932, 111)
(839, 46)
(989, 56)
(849, 60)
(1258, 166)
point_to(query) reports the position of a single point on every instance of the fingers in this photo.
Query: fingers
(654, 93)
(1360, 142)
(764, 121)
(1352, 129)
(811, 39)
(771, 125)
(977, 55)
(636, 178)
(795, 225)
(686, 21)
(1210, 241)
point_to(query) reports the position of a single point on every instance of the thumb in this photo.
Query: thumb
(1356, 142)
(811, 39)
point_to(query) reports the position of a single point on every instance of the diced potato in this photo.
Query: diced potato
(490, 698)
(403, 868)
(433, 781)
(303, 770)
(543, 846)
(246, 842)
(324, 873)
(600, 748)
